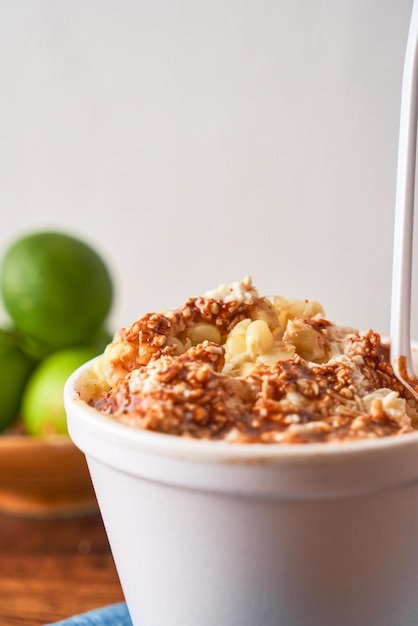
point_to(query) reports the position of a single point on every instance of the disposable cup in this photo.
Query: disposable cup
(208, 533)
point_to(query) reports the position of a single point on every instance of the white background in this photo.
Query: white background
(193, 142)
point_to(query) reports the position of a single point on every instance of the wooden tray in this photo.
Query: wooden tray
(44, 477)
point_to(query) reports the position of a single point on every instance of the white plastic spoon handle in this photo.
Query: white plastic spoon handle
(400, 332)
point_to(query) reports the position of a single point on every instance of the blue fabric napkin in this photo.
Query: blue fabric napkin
(113, 615)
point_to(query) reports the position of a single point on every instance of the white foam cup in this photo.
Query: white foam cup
(207, 533)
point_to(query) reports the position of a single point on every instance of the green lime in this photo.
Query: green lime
(15, 369)
(56, 288)
(100, 339)
(32, 347)
(38, 350)
(42, 409)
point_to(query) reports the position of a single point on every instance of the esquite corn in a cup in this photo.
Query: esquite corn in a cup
(254, 463)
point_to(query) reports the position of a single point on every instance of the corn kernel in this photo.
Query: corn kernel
(199, 332)
(259, 338)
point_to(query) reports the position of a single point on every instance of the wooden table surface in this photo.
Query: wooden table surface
(52, 569)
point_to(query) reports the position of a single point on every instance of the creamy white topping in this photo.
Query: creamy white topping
(241, 291)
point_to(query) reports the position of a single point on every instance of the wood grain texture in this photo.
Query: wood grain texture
(44, 477)
(51, 569)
